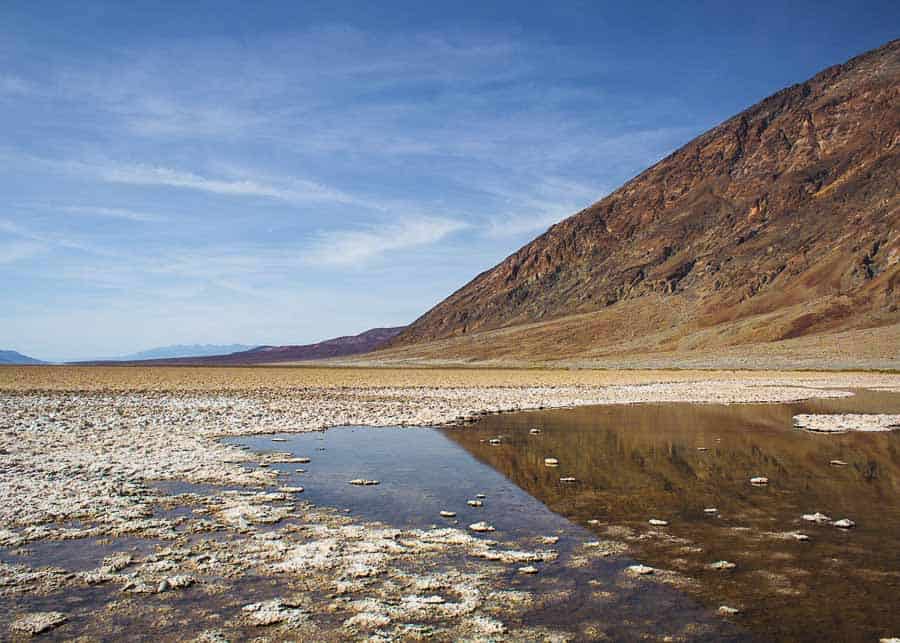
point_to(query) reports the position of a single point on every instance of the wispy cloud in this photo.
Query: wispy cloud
(165, 117)
(353, 247)
(299, 190)
(113, 213)
(53, 240)
(230, 182)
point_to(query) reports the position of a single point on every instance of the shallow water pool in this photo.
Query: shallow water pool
(621, 466)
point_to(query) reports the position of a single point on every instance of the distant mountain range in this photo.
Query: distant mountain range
(337, 347)
(12, 357)
(181, 350)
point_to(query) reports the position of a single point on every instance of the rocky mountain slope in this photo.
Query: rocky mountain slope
(782, 222)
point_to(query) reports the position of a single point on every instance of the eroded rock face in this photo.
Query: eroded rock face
(793, 201)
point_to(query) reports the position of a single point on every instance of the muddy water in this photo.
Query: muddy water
(669, 462)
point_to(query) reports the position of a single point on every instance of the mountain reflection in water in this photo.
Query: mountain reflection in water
(672, 462)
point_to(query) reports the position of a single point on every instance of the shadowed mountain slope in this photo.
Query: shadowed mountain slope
(781, 223)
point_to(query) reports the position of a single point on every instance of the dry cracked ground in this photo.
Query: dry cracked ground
(147, 525)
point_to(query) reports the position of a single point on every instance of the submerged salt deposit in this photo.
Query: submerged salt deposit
(844, 422)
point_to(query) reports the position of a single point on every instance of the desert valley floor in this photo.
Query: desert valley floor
(212, 504)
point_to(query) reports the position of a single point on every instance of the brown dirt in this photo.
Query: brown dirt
(159, 378)
(584, 341)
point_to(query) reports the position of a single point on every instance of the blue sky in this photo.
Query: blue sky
(285, 172)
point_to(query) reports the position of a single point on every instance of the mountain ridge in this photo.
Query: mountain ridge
(343, 346)
(14, 357)
(786, 212)
(179, 350)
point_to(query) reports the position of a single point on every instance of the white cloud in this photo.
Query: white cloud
(351, 247)
(157, 116)
(53, 240)
(241, 183)
(114, 213)
(157, 175)
(291, 191)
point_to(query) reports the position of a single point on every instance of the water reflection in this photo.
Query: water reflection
(424, 471)
(674, 462)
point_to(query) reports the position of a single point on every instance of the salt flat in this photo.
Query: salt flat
(82, 449)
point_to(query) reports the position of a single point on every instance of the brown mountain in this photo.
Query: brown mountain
(782, 222)
(338, 347)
